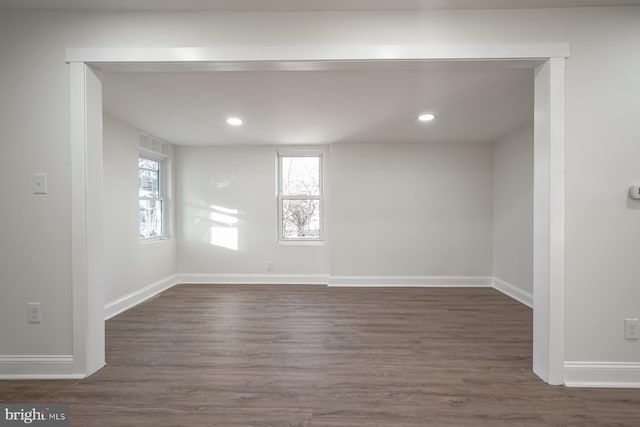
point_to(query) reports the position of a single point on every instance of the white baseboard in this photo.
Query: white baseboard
(321, 279)
(514, 292)
(602, 374)
(411, 281)
(21, 367)
(253, 279)
(134, 298)
(131, 300)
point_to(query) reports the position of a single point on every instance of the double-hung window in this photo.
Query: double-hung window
(151, 198)
(300, 197)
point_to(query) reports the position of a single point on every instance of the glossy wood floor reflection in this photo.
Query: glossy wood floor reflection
(211, 355)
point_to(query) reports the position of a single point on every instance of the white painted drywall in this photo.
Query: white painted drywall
(603, 92)
(226, 213)
(411, 209)
(129, 263)
(393, 209)
(513, 208)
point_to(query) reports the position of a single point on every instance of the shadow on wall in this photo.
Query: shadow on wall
(214, 225)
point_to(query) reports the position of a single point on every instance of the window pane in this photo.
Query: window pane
(301, 219)
(150, 218)
(148, 183)
(301, 176)
(148, 164)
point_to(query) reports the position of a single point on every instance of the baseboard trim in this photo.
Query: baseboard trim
(134, 298)
(602, 374)
(513, 291)
(411, 281)
(131, 300)
(25, 367)
(321, 279)
(253, 279)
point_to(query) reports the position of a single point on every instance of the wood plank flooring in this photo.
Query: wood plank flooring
(294, 356)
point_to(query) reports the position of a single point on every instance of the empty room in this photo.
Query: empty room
(330, 213)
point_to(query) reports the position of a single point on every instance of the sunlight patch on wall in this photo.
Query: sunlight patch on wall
(224, 210)
(225, 237)
(223, 234)
(222, 218)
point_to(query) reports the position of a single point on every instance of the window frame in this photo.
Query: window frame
(162, 194)
(280, 198)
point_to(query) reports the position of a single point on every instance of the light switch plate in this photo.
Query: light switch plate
(40, 183)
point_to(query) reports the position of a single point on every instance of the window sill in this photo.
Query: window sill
(301, 242)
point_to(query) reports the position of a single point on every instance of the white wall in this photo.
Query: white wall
(513, 208)
(603, 95)
(129, 263)
(411, 209)
(226, 210)
(392, 209)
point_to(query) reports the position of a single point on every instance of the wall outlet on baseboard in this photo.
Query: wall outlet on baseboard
(269, 265)
(34, 312)
(632, 329)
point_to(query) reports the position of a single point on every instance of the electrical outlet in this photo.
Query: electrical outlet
(632, 329)
(34, 312)
(270, 266)
(40, 183)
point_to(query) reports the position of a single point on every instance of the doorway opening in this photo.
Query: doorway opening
(547, 61)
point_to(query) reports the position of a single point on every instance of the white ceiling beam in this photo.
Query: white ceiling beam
(319, 53)
(299, 5)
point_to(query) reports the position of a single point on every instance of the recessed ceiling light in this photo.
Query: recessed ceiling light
(234, 121)
(426, 117)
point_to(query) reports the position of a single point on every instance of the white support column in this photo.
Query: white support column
(86, 217)
(549, 221)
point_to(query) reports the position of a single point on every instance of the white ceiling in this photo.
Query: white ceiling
(477, 102)
(303, 5)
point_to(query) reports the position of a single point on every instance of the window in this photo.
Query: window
(300, 197)
(151, 198)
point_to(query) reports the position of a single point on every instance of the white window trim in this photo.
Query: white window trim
(163, 185)
(279, 197)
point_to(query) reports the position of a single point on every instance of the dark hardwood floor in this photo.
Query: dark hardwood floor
(212, 355)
